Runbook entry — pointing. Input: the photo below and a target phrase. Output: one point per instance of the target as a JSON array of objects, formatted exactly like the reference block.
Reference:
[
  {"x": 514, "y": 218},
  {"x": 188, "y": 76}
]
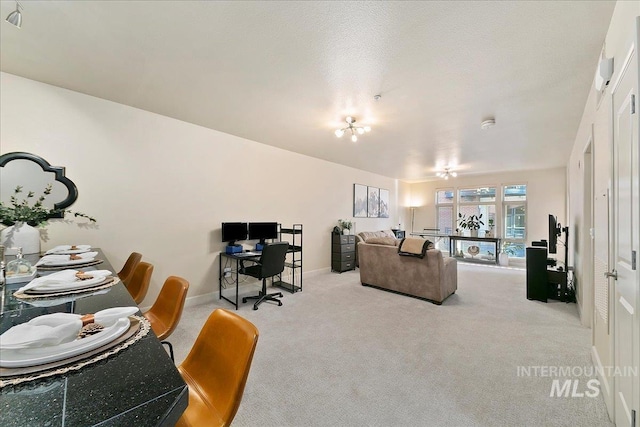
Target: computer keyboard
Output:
[{"x": 246, "y": 254}]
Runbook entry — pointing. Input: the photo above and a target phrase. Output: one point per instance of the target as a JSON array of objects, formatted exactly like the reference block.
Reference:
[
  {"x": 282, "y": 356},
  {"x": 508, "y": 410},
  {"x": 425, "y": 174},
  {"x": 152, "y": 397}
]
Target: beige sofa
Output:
[
  {"x": 363, "y": 236},
  {"x": 432, "y": 278}
]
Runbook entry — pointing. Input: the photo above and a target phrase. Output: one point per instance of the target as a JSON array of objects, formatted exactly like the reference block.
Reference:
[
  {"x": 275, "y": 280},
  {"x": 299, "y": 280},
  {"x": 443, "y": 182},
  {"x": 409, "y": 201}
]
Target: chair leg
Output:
[
  {"x": 264, "y": 296},
  {"x": 168, "y": 344}
]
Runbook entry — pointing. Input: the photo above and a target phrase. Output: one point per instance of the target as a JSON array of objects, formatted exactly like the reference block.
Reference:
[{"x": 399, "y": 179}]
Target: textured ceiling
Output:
[{"x": 287, "y": 73}]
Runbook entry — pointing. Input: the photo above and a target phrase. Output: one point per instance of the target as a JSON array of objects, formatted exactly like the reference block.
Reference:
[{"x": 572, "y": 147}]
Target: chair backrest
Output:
[
  {"x": 218, "y": 365},
  {"x": 166, "y": 311},
  {"x": 129, "y": 267},
  {"x": 272, "y": 258},
  {"x": 139, "y": 283}
]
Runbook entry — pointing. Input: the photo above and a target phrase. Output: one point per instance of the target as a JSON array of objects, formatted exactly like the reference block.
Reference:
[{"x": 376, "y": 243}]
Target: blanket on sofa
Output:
[{"x": 414, "y": 246}]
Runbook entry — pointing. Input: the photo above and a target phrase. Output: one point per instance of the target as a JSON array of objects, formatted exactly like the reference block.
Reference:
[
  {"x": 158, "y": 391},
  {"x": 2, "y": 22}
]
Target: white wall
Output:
[
  {"x": 546, "y": 192},
  {"x": 161, "y": 187}
]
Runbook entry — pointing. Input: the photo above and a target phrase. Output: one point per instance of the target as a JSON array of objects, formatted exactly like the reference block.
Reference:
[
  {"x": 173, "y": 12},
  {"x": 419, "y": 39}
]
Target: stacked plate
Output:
[
  {"x": 64, "y": 260},
  {"x": 67, "y": 281}
]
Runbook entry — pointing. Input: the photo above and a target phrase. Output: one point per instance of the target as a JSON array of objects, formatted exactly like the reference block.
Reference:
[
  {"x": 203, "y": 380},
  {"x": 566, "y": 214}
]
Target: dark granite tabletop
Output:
[{"x": 138, "y": 386}]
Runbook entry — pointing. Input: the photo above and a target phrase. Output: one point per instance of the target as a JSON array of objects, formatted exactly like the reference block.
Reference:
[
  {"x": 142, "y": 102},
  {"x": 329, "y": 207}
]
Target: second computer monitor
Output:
[{"x": 263, "y": 230}]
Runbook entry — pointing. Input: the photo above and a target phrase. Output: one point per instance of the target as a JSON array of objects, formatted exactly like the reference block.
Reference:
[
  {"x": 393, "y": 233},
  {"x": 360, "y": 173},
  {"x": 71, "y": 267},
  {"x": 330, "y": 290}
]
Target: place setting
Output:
[
  {"x": 66, "y": 282},
  {"x": 56, "y": 343},
  {"x": 65, "y": 256}
]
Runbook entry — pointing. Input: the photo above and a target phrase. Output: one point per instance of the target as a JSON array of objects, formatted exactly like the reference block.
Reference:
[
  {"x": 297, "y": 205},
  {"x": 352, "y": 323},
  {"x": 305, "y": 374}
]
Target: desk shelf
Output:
[{"x": 294, "y": 258}]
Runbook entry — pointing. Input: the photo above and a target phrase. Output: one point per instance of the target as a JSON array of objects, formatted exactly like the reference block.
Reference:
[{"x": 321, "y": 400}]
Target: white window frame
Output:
[{"x": 505, "y": 203}]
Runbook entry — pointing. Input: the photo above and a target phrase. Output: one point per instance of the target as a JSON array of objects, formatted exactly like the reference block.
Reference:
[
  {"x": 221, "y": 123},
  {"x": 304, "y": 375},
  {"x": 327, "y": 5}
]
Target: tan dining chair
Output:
[
  {"x": 129, "y": 267},
  {"x": 166, "y": 311},
  {"x": 217, "y": 368},
  {"x": 139, "y": 283}
]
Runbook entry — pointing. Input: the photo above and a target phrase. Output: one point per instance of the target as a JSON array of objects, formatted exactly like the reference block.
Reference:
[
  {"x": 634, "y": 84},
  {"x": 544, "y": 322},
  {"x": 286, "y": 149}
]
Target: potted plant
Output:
[
  {"x": 471, "y": 223},
  {"x": 21, "y": 216},
  {"x": 345, "y": 225},
  {"x": 489, "y": 232}
]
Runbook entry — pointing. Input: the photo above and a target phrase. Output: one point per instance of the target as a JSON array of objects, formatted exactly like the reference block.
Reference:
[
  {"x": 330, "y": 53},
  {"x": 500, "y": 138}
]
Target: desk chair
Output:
[
  {"x": 166, "y": 311},
  {"x": 129, "y": 267},
  {"x": 217, "y": 368},
  {"x": 271, "y": 263},
  {"x": 139, "y": 283}
]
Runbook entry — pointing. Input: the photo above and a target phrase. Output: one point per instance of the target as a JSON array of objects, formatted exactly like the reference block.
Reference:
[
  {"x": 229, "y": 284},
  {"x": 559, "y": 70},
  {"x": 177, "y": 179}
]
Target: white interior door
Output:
[{"x": 625, "y": 248}]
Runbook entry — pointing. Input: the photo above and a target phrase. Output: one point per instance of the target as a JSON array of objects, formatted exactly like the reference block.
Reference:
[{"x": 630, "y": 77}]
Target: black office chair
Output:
[{"x": 270, "y": 264}]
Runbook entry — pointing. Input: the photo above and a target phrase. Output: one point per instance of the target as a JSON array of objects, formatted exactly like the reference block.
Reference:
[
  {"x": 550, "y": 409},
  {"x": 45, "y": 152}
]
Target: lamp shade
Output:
[{"x": 15, "y": 18}]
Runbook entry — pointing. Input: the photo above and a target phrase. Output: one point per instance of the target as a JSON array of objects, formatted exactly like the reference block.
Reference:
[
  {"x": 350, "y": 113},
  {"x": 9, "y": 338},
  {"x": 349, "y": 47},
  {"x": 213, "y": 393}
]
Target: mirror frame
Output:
[{"x": 59, "y": 172}]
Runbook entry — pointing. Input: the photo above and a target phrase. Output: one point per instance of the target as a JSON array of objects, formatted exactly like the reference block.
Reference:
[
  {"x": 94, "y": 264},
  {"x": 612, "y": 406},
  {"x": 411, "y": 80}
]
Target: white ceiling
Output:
[{"x": 286, "y": 73}]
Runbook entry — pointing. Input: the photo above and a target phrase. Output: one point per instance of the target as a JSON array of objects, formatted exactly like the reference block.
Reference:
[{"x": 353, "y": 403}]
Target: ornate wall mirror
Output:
[{"x": 34, "y": 173}]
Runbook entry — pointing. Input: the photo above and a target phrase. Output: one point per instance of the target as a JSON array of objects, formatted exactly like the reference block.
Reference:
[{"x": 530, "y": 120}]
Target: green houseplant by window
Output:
[{"x": 471, "y": 223}]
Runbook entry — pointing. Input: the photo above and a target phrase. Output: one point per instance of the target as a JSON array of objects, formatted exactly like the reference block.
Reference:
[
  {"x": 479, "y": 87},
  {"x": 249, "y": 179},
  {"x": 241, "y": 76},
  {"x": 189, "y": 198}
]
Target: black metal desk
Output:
[
  {"x": 495, "y": 240},
  {"x": 138, "y": 386},
  {"x": 232, "y": 272}
]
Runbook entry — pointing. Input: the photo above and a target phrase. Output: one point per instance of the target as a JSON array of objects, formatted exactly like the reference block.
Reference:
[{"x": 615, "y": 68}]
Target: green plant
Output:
[
  {"x": 33, "y": 214},
  {"x": 345, "y": 224},
  {"x": 472, "y": 222},
  {"x": 509, "y": 248}
]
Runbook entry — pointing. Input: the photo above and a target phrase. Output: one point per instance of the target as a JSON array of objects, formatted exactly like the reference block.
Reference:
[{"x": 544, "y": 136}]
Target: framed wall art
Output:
[
  {"x": 359, "y": 201},
  {"x": 383, "y": 209},
  {"x": 373, "y": 204}
]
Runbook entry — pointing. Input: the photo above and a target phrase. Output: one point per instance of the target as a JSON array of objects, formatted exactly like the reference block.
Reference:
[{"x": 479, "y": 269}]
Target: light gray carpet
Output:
[{"x": 340, "y": 354}]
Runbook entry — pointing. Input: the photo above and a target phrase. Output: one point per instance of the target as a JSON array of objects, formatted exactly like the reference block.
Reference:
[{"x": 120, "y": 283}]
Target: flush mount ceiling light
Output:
[
  {"x": 15, "y": 17},
  {"x": 488, "y": 123},
  {"x": 447, "y": 173},
  {"x": 355, "y": 130}
]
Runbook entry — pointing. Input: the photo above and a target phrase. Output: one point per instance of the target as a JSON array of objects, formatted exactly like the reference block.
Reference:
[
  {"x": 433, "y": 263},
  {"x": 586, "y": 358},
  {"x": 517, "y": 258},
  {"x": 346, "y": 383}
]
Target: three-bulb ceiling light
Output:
[
  {"x": 15, "y": 17},
  {"x": 355, "y": 130},
  {"x": 447, "y": 173}
]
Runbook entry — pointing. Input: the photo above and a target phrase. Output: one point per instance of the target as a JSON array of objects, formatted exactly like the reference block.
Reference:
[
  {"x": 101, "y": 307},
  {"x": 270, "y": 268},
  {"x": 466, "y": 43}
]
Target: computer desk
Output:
[{"x": 237, "y": 259}]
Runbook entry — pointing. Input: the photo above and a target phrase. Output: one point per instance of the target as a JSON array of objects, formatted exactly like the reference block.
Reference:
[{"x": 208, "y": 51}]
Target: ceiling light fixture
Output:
[
  {"x": 15, "y": 17},
  {"x": 447, "y": 173},
  {"x": 354, "y": 129},
  {"x": 488, "y": 123}
]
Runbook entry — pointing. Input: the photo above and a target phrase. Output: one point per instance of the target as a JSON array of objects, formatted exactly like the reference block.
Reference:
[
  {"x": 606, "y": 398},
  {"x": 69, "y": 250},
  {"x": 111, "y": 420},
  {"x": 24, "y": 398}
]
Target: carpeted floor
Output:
[{"x": 340, "y": 354}]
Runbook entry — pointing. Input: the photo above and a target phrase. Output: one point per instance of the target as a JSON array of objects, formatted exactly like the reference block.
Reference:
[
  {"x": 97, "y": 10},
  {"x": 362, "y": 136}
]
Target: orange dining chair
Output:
[
  {"x": 129, "y": 267},
  {"x": 139, "y": 283},
  {"x": 166, "y": 311},
  {"x": 217, "y": 368}
]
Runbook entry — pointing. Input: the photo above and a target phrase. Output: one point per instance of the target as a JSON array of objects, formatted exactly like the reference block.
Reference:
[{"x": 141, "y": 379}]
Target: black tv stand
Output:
[{"x": 544, "y": 282}]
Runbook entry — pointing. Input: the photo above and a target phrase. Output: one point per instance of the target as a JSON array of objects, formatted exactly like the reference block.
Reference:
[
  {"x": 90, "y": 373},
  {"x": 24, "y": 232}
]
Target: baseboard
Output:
[{"x": 605, "y": 387}]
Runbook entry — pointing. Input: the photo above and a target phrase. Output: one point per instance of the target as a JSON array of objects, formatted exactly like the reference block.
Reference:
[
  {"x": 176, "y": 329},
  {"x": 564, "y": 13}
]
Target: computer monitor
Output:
[
  {"x": 262, "y": 231},
  {"x": 232, "y": 231}
]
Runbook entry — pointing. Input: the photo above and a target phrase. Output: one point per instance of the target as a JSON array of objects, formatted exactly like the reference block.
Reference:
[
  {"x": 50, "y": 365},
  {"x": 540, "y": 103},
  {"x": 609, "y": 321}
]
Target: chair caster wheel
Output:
[
  {"x": 255, "y": 308},
  {"x": 244, "y": 300},
  {"x": 279, "y": 304}
]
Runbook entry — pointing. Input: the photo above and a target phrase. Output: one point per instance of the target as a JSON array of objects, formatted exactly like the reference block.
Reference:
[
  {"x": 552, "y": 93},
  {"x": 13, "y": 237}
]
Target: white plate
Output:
[
  {"x": 71, "y": 286},
  {"x": 60, "y": 263},
  {"x": 24, "y": 357},
  {"x": 69, "y": 252}
]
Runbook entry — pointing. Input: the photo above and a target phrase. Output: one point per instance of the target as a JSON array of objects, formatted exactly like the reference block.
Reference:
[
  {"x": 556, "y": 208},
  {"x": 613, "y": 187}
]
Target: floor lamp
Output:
[{"x": 413, "y": 216}]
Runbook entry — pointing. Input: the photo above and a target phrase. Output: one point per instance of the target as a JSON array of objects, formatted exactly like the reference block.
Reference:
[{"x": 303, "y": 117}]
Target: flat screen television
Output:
[
  {"x": 263, "y": 230},
  {"x": 232, "y": 231},
  {"x": 554, "y": 230}
]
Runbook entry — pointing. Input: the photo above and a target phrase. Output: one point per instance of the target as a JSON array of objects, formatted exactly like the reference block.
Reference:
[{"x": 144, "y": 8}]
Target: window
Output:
[
  {"x": 478, "y": 201},
  {"x": 514, "y": 200},
  {"x": 445, "y": 216}
]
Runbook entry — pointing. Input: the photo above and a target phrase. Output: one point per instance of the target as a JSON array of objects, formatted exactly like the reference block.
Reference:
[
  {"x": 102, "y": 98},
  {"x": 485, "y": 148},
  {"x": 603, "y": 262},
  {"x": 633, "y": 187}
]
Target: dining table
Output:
[{"x": 138, "y": 385}]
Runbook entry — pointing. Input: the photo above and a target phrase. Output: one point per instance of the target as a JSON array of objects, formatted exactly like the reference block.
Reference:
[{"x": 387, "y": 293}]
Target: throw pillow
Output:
[{"x": 389, "y": 241}]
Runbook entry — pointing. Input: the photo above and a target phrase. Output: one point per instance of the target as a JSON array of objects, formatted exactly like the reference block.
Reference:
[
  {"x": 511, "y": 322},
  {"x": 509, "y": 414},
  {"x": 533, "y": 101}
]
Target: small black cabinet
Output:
[
  {"x": 400, "y": 234},
  {"x": 343, "y": 252}
]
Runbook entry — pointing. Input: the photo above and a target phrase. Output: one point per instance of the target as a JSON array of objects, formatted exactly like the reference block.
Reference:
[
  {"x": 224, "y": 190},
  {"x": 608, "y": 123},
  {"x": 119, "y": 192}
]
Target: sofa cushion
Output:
[
  {"x": 366, "y": 235},
  {"x": 389, "y": 241}
]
